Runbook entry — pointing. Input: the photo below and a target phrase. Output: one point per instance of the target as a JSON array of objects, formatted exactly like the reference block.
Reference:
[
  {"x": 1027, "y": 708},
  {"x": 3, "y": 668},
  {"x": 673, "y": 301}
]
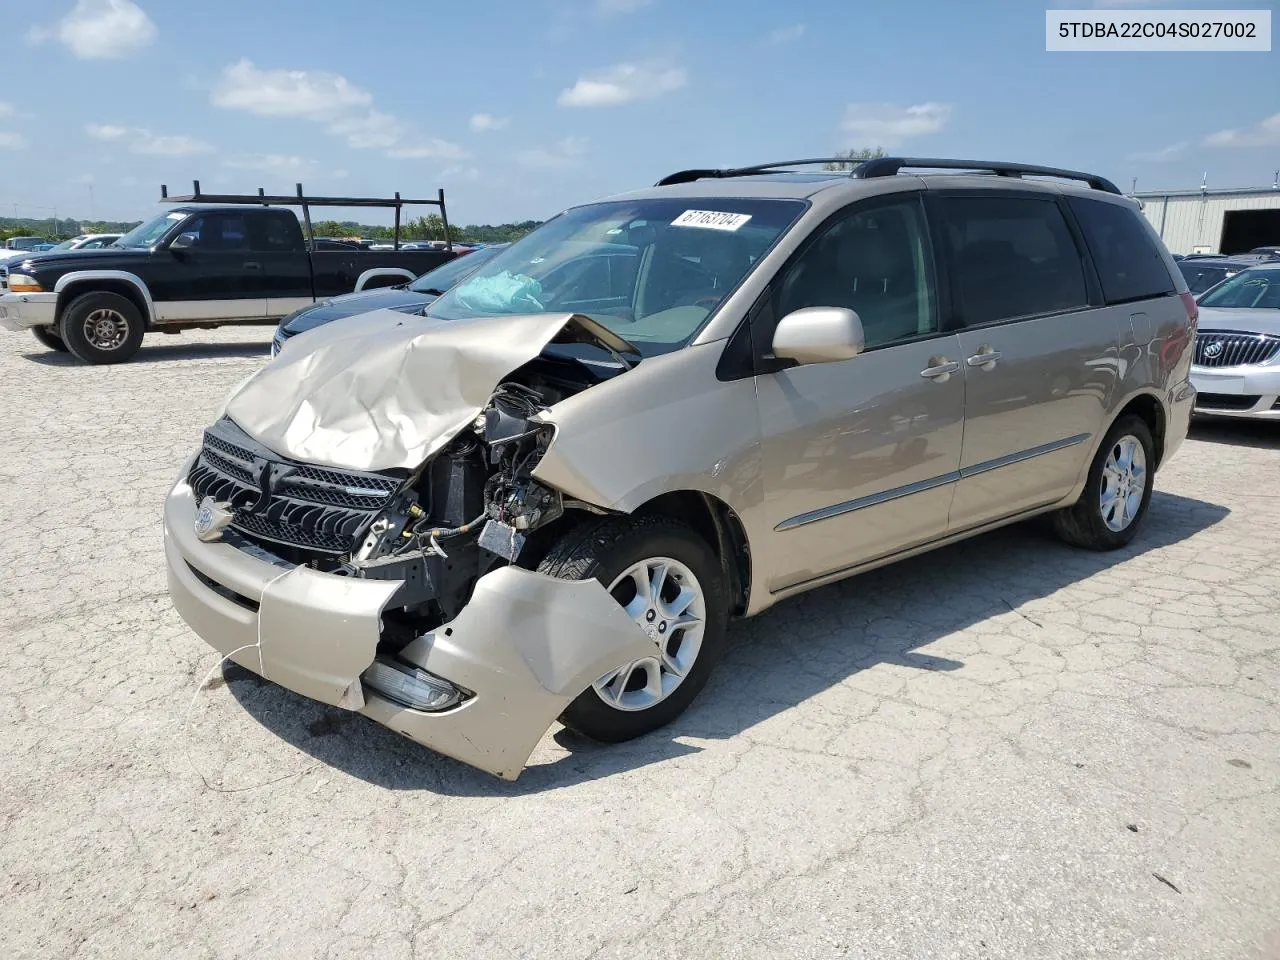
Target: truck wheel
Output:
[
  {"x": 668, "y": 580},
  {"x": 101, "y": 328},
  {"x": 50, "y": 339},
  {"x": 1117, "y": 492}
]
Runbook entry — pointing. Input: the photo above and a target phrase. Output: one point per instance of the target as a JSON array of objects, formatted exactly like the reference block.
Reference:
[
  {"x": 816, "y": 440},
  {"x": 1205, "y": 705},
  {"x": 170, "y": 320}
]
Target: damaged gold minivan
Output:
[{"x": 547, "y": 497}]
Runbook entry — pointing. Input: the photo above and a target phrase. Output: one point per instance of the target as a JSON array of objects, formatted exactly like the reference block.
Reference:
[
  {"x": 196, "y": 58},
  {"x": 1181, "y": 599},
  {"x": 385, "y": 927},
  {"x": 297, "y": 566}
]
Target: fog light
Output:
[{"x": 411, "y": 686}]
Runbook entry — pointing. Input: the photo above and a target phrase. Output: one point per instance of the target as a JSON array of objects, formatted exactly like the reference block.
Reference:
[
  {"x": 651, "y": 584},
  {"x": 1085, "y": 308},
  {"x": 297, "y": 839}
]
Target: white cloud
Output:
[
  {"x": 346, "y": 110},
  {"x": 84, "y": 178},
  {"x": 12, "y": 141},
  {"x": 274, "y": 163},
  {"x": 372, "y": 130},
  {"x": 1264, "y": 133},
  {"x": 484, "y": 122},
  {"x": 559, "y": 156},
  {"x": 785, "y": 34},
  {"x": 6, "y": 109},
  {"x": 1163, "y": 155},
  {"x": 144, "y": 141},
  {"x": 100, "y": 30},
  {"x": 460, "y": 173},
  {"x": 623, "y": 83},
  {"x": 310, "y": 94},
  {"x": 105, "y": 131},
  {"x": 431, "y": 149},
  {"x": 620, "y": 8},
  {"x": 887, "y": 125}
]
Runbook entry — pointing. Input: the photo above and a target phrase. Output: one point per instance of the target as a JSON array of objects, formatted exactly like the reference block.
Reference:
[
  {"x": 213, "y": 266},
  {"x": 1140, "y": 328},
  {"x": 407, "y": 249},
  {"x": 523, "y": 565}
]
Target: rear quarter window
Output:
[{"x": 1130, "y": 265}]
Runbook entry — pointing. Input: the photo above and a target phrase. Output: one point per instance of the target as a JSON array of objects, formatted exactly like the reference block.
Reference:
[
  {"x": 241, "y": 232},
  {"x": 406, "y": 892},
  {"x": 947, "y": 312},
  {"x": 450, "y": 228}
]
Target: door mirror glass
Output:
[
  {"x": 818, "y": 335},
  {"x": 184, "y": 241}
]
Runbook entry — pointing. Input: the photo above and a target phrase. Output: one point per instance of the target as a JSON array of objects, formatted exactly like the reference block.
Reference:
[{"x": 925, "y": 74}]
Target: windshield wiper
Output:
[{"x": 431, "y": 290}]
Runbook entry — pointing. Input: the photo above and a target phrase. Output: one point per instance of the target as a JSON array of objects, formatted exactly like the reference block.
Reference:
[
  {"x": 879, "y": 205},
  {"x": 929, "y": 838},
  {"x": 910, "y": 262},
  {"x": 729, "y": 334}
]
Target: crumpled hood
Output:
[{"x": 392, "y": 390}]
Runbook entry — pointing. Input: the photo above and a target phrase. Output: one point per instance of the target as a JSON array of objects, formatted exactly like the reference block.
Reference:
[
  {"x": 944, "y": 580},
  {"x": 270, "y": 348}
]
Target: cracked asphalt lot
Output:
[{"x": 1008, "y": 748}]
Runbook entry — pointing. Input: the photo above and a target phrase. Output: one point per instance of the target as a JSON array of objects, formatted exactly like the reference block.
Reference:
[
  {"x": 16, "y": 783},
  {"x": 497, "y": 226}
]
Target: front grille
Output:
[
  {"x": 1214, "y": 349},
  {"x": 313, "y": 508},
  {"x": 1226, "y": 401}
]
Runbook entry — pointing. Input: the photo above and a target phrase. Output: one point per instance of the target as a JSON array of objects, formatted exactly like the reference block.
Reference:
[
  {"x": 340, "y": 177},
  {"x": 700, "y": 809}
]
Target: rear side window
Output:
[
  {"x": 274, "y": 232},
  {"x": 1011, "y": 257},
  {"x": 1129, "y": 262}
]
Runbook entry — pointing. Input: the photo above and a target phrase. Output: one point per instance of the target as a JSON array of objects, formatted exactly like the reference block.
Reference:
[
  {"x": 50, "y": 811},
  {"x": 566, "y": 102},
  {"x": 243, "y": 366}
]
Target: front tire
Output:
[
  {"x": 1117, "y": 492},
  {"x": 669, "y": 581},
  {"x": 50, "y": 339},
  {"x": 102, "y": 328}
]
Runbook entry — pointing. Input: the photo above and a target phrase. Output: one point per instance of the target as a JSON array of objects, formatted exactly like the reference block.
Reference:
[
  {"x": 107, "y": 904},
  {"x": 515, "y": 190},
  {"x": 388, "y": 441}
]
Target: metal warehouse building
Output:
[{"x": 1214, "y": 221}]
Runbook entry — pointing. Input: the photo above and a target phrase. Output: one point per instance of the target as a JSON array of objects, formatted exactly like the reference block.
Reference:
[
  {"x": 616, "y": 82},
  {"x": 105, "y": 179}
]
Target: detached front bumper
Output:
[
  {"x": 21, "y": 311},
  {"x": 1248, "y": 392},
  {"x": 525, "y": 646}
]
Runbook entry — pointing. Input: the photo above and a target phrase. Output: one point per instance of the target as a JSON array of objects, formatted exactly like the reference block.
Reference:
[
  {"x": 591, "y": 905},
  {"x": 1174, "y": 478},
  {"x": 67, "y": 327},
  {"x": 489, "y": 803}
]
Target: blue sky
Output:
[{"x": 519, "y": 109}]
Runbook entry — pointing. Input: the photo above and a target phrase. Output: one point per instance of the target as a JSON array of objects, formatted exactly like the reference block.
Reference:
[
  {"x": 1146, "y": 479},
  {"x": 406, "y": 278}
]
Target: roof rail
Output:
[
  {"x": 889, "y": 166},
  {"x": 688, "y": 176},
  {"x": 300, "y": 199}
]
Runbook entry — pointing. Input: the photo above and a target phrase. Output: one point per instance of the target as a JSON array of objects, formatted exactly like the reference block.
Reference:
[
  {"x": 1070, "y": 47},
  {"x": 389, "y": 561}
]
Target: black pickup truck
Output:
[{"x": 197, "y": 265}]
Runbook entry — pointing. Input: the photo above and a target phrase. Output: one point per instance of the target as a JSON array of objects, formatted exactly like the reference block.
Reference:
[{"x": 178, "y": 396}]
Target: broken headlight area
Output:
[{"x": 436, "y": 529}]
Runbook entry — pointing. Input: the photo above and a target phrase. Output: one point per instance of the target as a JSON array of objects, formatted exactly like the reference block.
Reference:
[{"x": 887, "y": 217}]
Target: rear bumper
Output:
[
  {"x": 21, "y": 311},
  {"x": 1247, "y": 393},
  {"x": 526, "y": 645}
]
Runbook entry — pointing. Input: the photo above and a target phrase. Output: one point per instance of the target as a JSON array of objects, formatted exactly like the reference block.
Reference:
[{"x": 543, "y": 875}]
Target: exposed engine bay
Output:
[{"x": 468, "y": 509}]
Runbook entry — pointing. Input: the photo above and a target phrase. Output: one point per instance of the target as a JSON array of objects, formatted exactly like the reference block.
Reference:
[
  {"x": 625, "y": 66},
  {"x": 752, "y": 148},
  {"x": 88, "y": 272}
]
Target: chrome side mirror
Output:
[{"x": 818, "y": 335}]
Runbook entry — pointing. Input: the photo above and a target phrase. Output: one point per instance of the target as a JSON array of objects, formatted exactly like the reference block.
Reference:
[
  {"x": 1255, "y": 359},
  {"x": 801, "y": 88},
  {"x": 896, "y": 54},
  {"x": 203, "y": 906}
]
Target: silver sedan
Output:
[{"x": 1236, "y": 371}]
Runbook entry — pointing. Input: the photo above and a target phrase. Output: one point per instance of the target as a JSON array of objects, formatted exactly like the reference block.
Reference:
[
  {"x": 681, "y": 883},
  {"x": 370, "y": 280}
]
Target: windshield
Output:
[
  {"x": 459, "y": 268},
  {"x": 1252, "y": 288},
  {"x": 146, "y": 234},
  {"x": 66, "y": 244},
  {"x": 651, "y": 271}
]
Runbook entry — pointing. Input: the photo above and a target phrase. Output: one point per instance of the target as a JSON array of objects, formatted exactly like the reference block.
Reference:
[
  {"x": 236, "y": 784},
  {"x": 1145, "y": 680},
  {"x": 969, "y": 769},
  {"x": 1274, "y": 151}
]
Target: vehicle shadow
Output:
[
  {"x": 166, "y": 353},
  {"x": 775, "y": 661},
  {"x": 1263, "y": 434}
]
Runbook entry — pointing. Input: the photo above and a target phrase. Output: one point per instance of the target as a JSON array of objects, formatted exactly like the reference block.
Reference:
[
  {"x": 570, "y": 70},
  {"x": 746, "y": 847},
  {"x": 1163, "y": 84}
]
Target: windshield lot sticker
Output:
[{"x": 711, "y": 220}]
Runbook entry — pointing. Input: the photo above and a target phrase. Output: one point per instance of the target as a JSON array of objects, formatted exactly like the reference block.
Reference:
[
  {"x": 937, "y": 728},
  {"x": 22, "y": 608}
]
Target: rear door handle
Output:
[
  {"x": 940, "y": 369},
  {"x": 253, "y": 265},
  {"x": 985, "y": 358}
]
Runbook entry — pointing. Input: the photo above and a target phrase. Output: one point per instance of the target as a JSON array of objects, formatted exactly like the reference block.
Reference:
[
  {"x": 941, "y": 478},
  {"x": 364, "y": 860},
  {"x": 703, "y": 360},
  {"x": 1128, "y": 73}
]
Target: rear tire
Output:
[
  {"x": 1117, "y": 492},
  {"x": 50, "y": 339},
  {"x": 101, "y": 328},
  {"x": 688, "y": 632}
]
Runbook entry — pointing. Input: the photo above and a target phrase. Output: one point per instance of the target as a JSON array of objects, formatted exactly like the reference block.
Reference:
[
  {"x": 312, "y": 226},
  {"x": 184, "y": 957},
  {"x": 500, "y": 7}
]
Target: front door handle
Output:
[
  {"x": 985, "y": 358},
  {"x": 939, "y": 369},
  {"x": 253, "y": 265}
]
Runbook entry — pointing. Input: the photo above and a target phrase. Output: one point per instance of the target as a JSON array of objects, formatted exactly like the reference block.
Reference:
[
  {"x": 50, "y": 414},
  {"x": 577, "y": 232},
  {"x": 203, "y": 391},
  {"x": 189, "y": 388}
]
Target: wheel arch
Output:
[
  {"x": 128, "y": 285},
  {"x": 1148, "y": 408},
  {"x": 717, "y": 523}
]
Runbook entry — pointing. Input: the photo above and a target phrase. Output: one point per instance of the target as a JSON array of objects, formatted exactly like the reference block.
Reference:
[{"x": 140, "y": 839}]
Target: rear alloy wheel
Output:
[
  {"x": 671, "y": 584},
  {"x": 1117, "y": 491},
  {"x": 50, "y": 339},
  {"x": 102, "y": 328}
]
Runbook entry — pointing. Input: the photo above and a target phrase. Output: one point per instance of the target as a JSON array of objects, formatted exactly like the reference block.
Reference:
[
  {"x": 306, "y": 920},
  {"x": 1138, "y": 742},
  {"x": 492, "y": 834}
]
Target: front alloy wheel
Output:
[
  {"x": 674, "y": 587},
  {"x": 666, "y": 601}
]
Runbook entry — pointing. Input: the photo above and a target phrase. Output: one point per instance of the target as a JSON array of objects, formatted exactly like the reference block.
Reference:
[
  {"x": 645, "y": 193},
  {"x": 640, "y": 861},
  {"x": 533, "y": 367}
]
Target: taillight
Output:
[{"x": 1193, "y": 308}]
